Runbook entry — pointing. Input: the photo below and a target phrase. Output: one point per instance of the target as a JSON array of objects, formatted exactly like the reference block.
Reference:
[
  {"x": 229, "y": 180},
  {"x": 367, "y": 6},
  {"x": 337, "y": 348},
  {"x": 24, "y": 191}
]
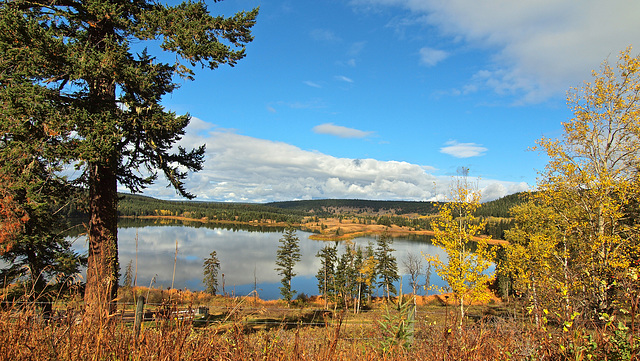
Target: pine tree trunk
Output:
[
  {"x": 326, "y": 306},
  {"x": 102, "y": 268}
]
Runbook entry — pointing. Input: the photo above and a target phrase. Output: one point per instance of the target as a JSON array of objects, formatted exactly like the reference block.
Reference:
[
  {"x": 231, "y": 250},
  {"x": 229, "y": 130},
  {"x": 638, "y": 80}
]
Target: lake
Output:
[{"x": 246, "y": 254}]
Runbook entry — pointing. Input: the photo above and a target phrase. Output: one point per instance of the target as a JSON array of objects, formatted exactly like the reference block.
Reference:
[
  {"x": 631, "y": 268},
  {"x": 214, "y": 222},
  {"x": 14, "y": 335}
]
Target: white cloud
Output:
[
  {"x": 199, "y": 126},
  {"x": 344, "y": 79},
  {"x": 431, "y": 57},
  {"x": 340, "y": 131},
  {"x": 240, "y": 168},
  {"x": 491, "y": 190},
  {"x": 463, "y": 150},
  {"x": 541, "y": 48},
  {"x": 312, "y": 84}
]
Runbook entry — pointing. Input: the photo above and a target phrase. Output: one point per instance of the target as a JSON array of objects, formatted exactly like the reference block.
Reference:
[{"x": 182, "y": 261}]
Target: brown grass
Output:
[
  {"x": 25, "y": 337},
  {"x": 250, "y": 329},
  {"x": 336, "y": 229}
]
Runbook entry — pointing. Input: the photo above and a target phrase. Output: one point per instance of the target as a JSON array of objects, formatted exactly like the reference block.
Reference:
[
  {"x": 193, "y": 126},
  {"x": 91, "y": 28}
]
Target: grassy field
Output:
[{"x": 251, "y": 329}]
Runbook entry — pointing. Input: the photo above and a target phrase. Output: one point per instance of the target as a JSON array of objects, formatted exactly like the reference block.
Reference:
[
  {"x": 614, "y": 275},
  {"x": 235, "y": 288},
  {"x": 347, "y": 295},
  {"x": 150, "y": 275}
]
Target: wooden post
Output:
[{"x": 138, "y": 317}]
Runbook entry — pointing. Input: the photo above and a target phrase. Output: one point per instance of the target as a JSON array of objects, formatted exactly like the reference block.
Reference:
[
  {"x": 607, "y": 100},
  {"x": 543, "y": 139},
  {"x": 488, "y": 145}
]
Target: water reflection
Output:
[{"x": 246, "y": 255}]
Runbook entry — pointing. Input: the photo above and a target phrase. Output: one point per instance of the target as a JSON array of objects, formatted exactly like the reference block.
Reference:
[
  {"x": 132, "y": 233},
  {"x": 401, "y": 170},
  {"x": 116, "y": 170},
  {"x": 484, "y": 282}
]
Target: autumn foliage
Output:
[
  {"x": 468, "y": 259},
  {"x": 574, "y": 251}
]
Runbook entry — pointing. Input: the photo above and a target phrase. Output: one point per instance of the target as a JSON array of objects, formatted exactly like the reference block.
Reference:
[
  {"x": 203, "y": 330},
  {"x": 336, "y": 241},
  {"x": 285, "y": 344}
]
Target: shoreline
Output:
[
  {"x": 188, "y": 295},
  {"x": 330, "y": 229}
]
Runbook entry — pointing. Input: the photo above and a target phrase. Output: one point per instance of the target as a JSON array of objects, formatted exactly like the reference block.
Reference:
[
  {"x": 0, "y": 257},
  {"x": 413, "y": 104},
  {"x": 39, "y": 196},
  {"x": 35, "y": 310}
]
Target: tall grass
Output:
[
  {"x": 24, "y": 338},
  {"x": 26, "y": 335}
]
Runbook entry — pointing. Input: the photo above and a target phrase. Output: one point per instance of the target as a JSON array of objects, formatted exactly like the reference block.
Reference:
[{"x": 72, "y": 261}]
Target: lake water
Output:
[{"x": 246, "y": 255}]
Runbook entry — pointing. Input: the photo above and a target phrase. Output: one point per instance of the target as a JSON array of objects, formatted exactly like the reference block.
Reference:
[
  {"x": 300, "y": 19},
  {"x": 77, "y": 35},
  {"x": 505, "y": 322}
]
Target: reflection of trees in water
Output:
[
  {"x": 77, "y": 225},
  {"x": 240, "y": 249},
  {"x": 159, "y": 222}
]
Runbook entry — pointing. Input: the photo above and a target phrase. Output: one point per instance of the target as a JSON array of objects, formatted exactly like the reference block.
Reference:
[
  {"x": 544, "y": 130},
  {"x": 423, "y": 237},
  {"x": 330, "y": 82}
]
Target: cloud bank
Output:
[
  {"x": 540, "y": 47},
  {"x": 240, "y": 168}
]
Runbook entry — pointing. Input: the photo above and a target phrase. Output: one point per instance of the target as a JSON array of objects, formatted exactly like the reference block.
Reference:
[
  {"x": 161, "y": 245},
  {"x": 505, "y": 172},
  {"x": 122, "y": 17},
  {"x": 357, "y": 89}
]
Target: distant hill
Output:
[
  {"x": 500, "y": 207},
  {"x": 327, "y": 207},
  {"x": 139, "y": 205}
]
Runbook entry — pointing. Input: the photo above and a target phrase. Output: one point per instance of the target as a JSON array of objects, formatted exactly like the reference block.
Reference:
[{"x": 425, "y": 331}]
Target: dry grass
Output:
[
  {"x": 23, "y": 337},
  {"x": 336, "y": 229},
  {"x": 250, "y": 329}
]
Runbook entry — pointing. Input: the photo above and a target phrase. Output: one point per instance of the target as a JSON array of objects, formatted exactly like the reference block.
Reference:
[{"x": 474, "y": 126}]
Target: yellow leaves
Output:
[
  {"x": 582, "y": 228},
  {"x": 598, "y": 159},
  {"x": 367, "y": 271},
  {"x": 455, "y": 230},
  {"x": 163, "y": 212}
]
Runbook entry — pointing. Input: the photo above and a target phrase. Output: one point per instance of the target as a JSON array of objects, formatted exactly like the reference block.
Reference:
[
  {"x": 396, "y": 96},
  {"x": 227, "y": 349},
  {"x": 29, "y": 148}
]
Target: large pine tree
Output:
[{"x": 67, "y": 70}]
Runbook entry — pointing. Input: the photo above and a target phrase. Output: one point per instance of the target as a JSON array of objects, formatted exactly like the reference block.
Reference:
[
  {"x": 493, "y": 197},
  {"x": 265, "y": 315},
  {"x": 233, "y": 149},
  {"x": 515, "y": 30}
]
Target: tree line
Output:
[
  {"x": 135, "y": 205},
  {"x": 331, "y": 207}
]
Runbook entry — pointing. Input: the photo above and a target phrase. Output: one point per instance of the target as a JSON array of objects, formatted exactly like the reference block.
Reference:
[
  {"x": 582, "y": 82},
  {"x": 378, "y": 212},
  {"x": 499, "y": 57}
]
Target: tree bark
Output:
[
  {"x": 102, "y": 268},
  {"x": 102, "y": 263}
]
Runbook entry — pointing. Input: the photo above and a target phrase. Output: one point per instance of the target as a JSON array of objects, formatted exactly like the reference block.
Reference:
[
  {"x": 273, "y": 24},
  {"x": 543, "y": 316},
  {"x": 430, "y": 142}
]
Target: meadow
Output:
[{"x": 248, "y": 328}]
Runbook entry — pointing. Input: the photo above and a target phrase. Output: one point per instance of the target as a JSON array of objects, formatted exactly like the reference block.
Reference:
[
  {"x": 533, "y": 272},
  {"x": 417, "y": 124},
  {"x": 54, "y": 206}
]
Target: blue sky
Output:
[{"x": 386, "y": 99}]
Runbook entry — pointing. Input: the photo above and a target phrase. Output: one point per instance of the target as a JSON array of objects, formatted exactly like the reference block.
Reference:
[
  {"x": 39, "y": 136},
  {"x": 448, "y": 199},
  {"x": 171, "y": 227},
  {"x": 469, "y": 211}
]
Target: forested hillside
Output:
[
  {"x": 500, "y": 207},
  {"x": 137, "y": 205},
  {"x": 417, "y": 215},
  {"x": 328, "y": 207}
]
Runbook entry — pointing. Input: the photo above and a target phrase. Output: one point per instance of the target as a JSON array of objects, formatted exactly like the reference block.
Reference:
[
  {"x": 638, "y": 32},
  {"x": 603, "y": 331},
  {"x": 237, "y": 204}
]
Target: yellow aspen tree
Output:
[
  {"x": 592, "y": 180},
  {"x": 366, "y": 275},
  {"x": 468, "y": 257},
  {"x": 537, "y": 259}
]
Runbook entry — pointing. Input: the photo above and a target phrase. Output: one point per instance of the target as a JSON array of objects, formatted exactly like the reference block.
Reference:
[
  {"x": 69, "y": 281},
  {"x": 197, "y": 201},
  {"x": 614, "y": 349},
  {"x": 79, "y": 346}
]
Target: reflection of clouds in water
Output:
[{"x": 239, "y": 252}]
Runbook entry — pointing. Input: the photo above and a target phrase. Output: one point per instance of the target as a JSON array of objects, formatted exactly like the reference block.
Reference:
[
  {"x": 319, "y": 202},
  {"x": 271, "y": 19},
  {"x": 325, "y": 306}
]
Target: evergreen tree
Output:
[
  {"x": 387, "y": 266},
  {"x": 346, "y": 275},
  {"x": 326, "y": 275},
  {"x": 70, "y": 74},
  {"x": 211, "y": 269},
  {"x": 33, "y": 246},
  {"x": 287, "y": 256}
]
